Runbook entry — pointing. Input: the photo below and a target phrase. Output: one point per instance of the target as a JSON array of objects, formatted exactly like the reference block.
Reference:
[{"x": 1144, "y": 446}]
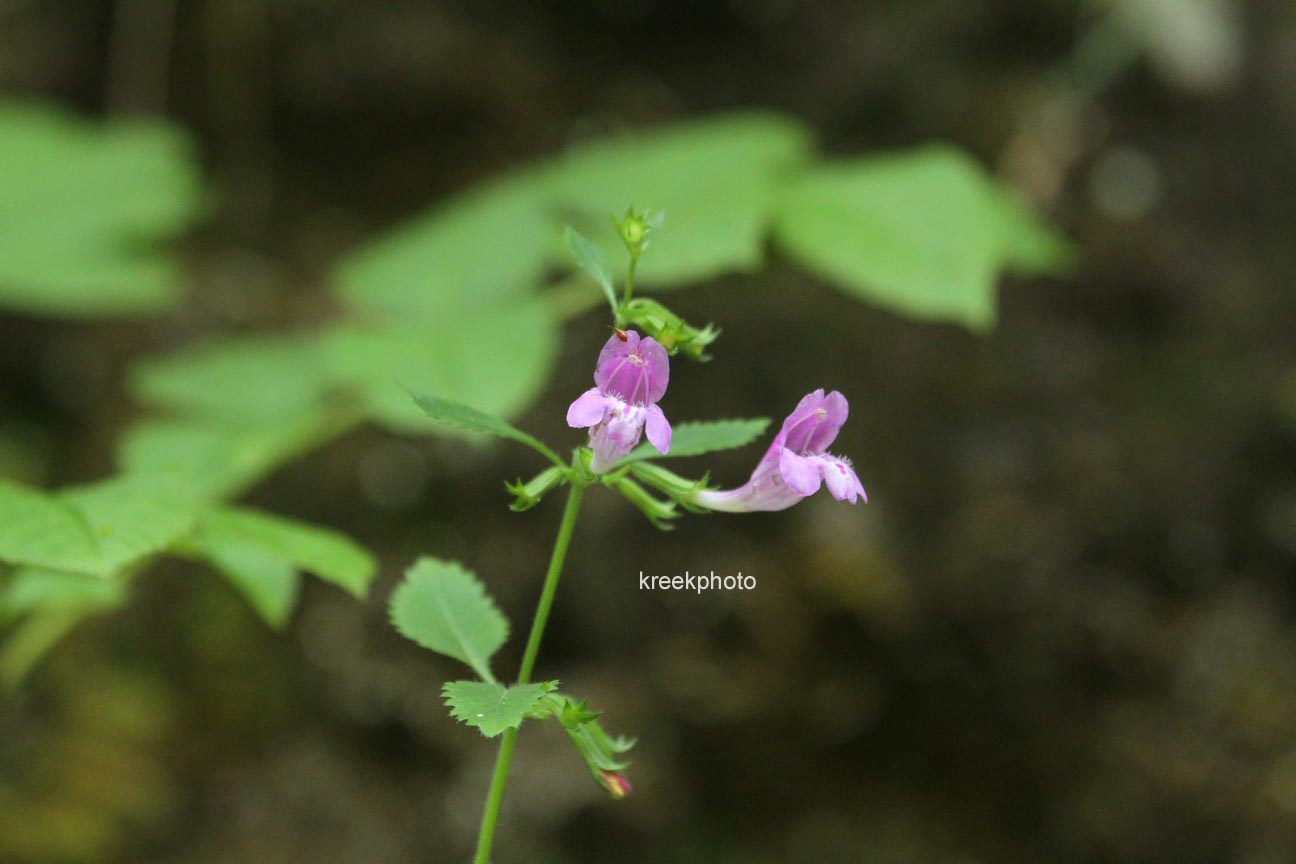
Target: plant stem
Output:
[
  {"x": 630, "y": 274},
  {"x": 495, "y": 797}
]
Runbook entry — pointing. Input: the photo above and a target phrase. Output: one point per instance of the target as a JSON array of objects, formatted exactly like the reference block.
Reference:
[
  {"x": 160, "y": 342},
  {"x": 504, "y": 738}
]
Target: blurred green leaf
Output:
[
  {"x": 443, "y": 607},
  {"x": 491, "y": 708},
  {"x": 269, "y": 582},
  {"x": 39, "y": 530},
  {"x": 328, "y": 555},
  {"x": 707, "y": 436},
  {"x": 98, "y": 529},
  {"x": 715, "y": 179},
  {"x": 486, "y": 247},
  {"x": 220, "y": 458},
  {"x": 132, "y": 518},
  {"x": 245, "y": 378},
  {"x": 592, "y": 260},
  {"x": 84, "y": 209},
  {"x": 497, "y": 360},
  {"x": 30, "y": 588},
  {"x": 925, "y": 233}
]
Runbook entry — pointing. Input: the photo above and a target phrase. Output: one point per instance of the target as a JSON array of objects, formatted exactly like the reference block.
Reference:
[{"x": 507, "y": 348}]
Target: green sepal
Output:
[
  {"x": 659, "y": 512},
  {"x": 664, "y": 480},
  {"x": 527, "y": 495},
  {"x": 600, "y": 751},
  {"x": 670, "y": 330}
]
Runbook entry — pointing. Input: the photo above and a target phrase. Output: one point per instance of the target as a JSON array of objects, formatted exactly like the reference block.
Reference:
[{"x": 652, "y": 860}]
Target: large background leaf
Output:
[
  {"x": 85, "y": 208},
  {"x": 923, "y": 233},
  {"x": 715, "y": 179}
]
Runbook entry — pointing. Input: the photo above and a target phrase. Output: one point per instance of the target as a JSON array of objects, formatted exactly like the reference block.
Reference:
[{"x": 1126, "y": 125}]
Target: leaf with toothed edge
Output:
[
  {"x": 697, "y": 438},
  {"x": 491, "y": 708},
  {"x": 444, "y": 608}
]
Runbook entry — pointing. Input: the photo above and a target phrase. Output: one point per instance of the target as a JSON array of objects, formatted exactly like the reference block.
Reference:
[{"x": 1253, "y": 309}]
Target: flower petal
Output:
[
  {"x": 620, "y": 431},
  {"x": 800, "y": 473},
  {"x": 825, "y": 431},
  {"x": 841, "y": 480},
  {"x": 656, "y": 368},
  {"x": 815, "y": 419},
  {"x": 658, "y": 429},
  {"x": 588, "y": 409}
]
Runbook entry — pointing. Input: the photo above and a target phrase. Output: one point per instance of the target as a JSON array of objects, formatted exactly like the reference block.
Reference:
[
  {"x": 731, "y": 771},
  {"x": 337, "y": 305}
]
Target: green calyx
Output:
[
  {"x": 673, "y": 333},
  {"x": 527, "y": 495}
]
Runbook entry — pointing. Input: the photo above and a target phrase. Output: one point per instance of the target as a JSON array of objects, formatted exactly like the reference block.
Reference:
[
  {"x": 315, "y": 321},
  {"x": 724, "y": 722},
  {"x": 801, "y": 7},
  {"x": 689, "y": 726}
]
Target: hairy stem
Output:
[{"x": 495, "y": 797}]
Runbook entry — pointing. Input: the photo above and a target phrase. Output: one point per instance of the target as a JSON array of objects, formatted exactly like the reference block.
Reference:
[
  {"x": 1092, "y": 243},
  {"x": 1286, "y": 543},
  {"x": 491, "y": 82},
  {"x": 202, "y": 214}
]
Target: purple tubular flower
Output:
[
  {"x": 631, "y": 377},
  {"x": 796, "y": 464}
]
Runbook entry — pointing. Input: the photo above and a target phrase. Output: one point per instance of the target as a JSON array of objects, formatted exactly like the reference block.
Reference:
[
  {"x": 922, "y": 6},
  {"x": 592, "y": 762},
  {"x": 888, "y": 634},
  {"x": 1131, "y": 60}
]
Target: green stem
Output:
[
  {"x": 495, "y": 797},
  {"x": 630, "y": 274}
]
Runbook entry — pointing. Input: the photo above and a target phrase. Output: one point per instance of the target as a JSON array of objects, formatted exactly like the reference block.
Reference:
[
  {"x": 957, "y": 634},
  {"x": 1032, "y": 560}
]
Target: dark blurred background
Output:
[{"x": 1063, "y": 628}]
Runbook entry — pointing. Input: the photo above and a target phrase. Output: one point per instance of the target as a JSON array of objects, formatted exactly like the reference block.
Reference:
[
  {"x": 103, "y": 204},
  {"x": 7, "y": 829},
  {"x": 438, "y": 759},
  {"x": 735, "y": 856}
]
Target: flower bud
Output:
[
  {"x": 636, "y": 229},
  {"x": 616, "y": 784}
]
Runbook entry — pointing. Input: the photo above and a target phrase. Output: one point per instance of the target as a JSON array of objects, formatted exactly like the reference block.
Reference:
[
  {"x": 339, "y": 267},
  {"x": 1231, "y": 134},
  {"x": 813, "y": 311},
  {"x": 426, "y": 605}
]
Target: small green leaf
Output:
[
  {"x": 470, "y": 419},
  {"x": 926, "y": 233},
  {"x": 443, "y": 607},
  {"x": 492, "y": 708},
  {"x": 593, "y": 261},
  {"x": 707, "y": 436}
]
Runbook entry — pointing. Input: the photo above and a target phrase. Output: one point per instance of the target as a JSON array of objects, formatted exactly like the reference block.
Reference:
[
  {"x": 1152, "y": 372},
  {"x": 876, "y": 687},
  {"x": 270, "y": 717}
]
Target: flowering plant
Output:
[{"x": 443, "y": 606}]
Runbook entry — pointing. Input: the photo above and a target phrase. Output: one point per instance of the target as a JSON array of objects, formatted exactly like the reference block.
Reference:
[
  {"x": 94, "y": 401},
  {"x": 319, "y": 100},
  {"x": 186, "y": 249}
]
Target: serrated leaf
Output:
[
  {"x": 716, "y": 180},
  {"x": 468, "y": 419},
  {"x": 84, "y": 209},
  {"x": 926, "y": 233},
  {"x": 327, "y": 555},
  {"x": 491, "y": 708},
  {"x": 444, "y": 608},
  {"x": 707, "y": 436},
  {"x": 592, "y": 260}
]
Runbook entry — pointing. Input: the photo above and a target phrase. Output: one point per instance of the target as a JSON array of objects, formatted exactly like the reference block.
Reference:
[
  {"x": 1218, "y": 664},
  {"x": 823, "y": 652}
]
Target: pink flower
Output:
[
  {"x": 631, "y": 377},
  {"x": 796, "y": 464}
]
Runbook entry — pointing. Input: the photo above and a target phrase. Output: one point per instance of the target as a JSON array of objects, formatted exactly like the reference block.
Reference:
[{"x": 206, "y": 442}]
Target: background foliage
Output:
[{"x": 1060, "y": 632}]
